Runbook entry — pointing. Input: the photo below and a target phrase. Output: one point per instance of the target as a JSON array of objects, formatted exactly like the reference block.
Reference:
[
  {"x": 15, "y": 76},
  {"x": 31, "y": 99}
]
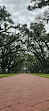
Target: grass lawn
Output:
[
  {"x": 36, "y": 74},
  {"x": 6, "y": 75},
  {"x": 41, "y": 75}
]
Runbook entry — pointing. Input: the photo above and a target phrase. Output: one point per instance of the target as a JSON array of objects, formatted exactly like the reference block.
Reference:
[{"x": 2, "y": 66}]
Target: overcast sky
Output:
[{"x": 18, "y": 10}]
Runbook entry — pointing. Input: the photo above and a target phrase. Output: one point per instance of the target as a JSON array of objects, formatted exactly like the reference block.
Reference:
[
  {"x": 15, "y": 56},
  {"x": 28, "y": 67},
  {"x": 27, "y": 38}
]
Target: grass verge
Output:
[
  {"x": 35, "y": 74},
  {"x": 41, "y": 75},
  {"x": 6, "y": 75}
]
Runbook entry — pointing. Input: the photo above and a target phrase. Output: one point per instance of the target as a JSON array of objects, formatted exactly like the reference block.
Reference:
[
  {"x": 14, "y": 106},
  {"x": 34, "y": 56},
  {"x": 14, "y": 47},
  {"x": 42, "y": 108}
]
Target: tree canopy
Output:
[
  {"x": 9, "y": 43},
  {"x": 25, "y": 47},
  {"x": 40, "y": 4},
  {"x": 37, "y": 44}
]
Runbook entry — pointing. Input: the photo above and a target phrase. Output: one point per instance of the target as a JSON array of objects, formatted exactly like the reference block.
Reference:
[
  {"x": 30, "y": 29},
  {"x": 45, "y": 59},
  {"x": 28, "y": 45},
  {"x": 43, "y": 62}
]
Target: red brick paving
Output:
[{"x": 24, "y": 93}]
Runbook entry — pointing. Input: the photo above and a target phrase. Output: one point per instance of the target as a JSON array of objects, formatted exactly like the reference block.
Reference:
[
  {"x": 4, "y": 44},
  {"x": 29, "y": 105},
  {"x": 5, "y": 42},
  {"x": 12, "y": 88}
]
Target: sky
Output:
[{"x": 19, "y": 12}]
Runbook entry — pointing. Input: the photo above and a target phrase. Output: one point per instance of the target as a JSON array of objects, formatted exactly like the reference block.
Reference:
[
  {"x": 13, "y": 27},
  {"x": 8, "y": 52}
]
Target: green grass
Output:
[
  {"x": 41, "y": 75},
  {"x": 6, "y": 75},
  {"x": 35, "y": 74}
]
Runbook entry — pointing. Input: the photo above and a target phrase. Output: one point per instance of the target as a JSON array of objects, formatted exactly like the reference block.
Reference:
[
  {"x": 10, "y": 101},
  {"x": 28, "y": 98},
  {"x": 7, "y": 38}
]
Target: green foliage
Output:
[
  {"x": 40, "y": 46},
  {"x": 39, "y": 4},
  {"x": 32, "y": 64},
  {"x": 28, "y": 47},
  {"x": 37, "y": 44},
  {"x": 9, "y": 43}
]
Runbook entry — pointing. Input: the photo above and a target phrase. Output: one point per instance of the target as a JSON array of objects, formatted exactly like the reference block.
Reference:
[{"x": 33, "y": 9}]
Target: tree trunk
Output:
[
  {"x": 3, "y": 70},
  {"x": 8, "y": 70}
]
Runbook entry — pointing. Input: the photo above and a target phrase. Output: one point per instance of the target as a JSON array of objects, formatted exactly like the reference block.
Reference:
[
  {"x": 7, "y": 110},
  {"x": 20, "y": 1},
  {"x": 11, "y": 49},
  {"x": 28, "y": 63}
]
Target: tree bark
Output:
[
  {"x": 8, "y": 70},
  {"x": 3, "y": 70}
]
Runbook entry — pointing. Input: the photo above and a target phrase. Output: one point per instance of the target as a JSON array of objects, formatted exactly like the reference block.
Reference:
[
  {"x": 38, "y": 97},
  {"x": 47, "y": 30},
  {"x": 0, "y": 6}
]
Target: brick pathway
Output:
[{"x": 24, "y": 93}]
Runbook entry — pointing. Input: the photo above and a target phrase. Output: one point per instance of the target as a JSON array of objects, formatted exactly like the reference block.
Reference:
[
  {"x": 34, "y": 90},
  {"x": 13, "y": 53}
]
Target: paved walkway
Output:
[{"x": 24, "y": 93}]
